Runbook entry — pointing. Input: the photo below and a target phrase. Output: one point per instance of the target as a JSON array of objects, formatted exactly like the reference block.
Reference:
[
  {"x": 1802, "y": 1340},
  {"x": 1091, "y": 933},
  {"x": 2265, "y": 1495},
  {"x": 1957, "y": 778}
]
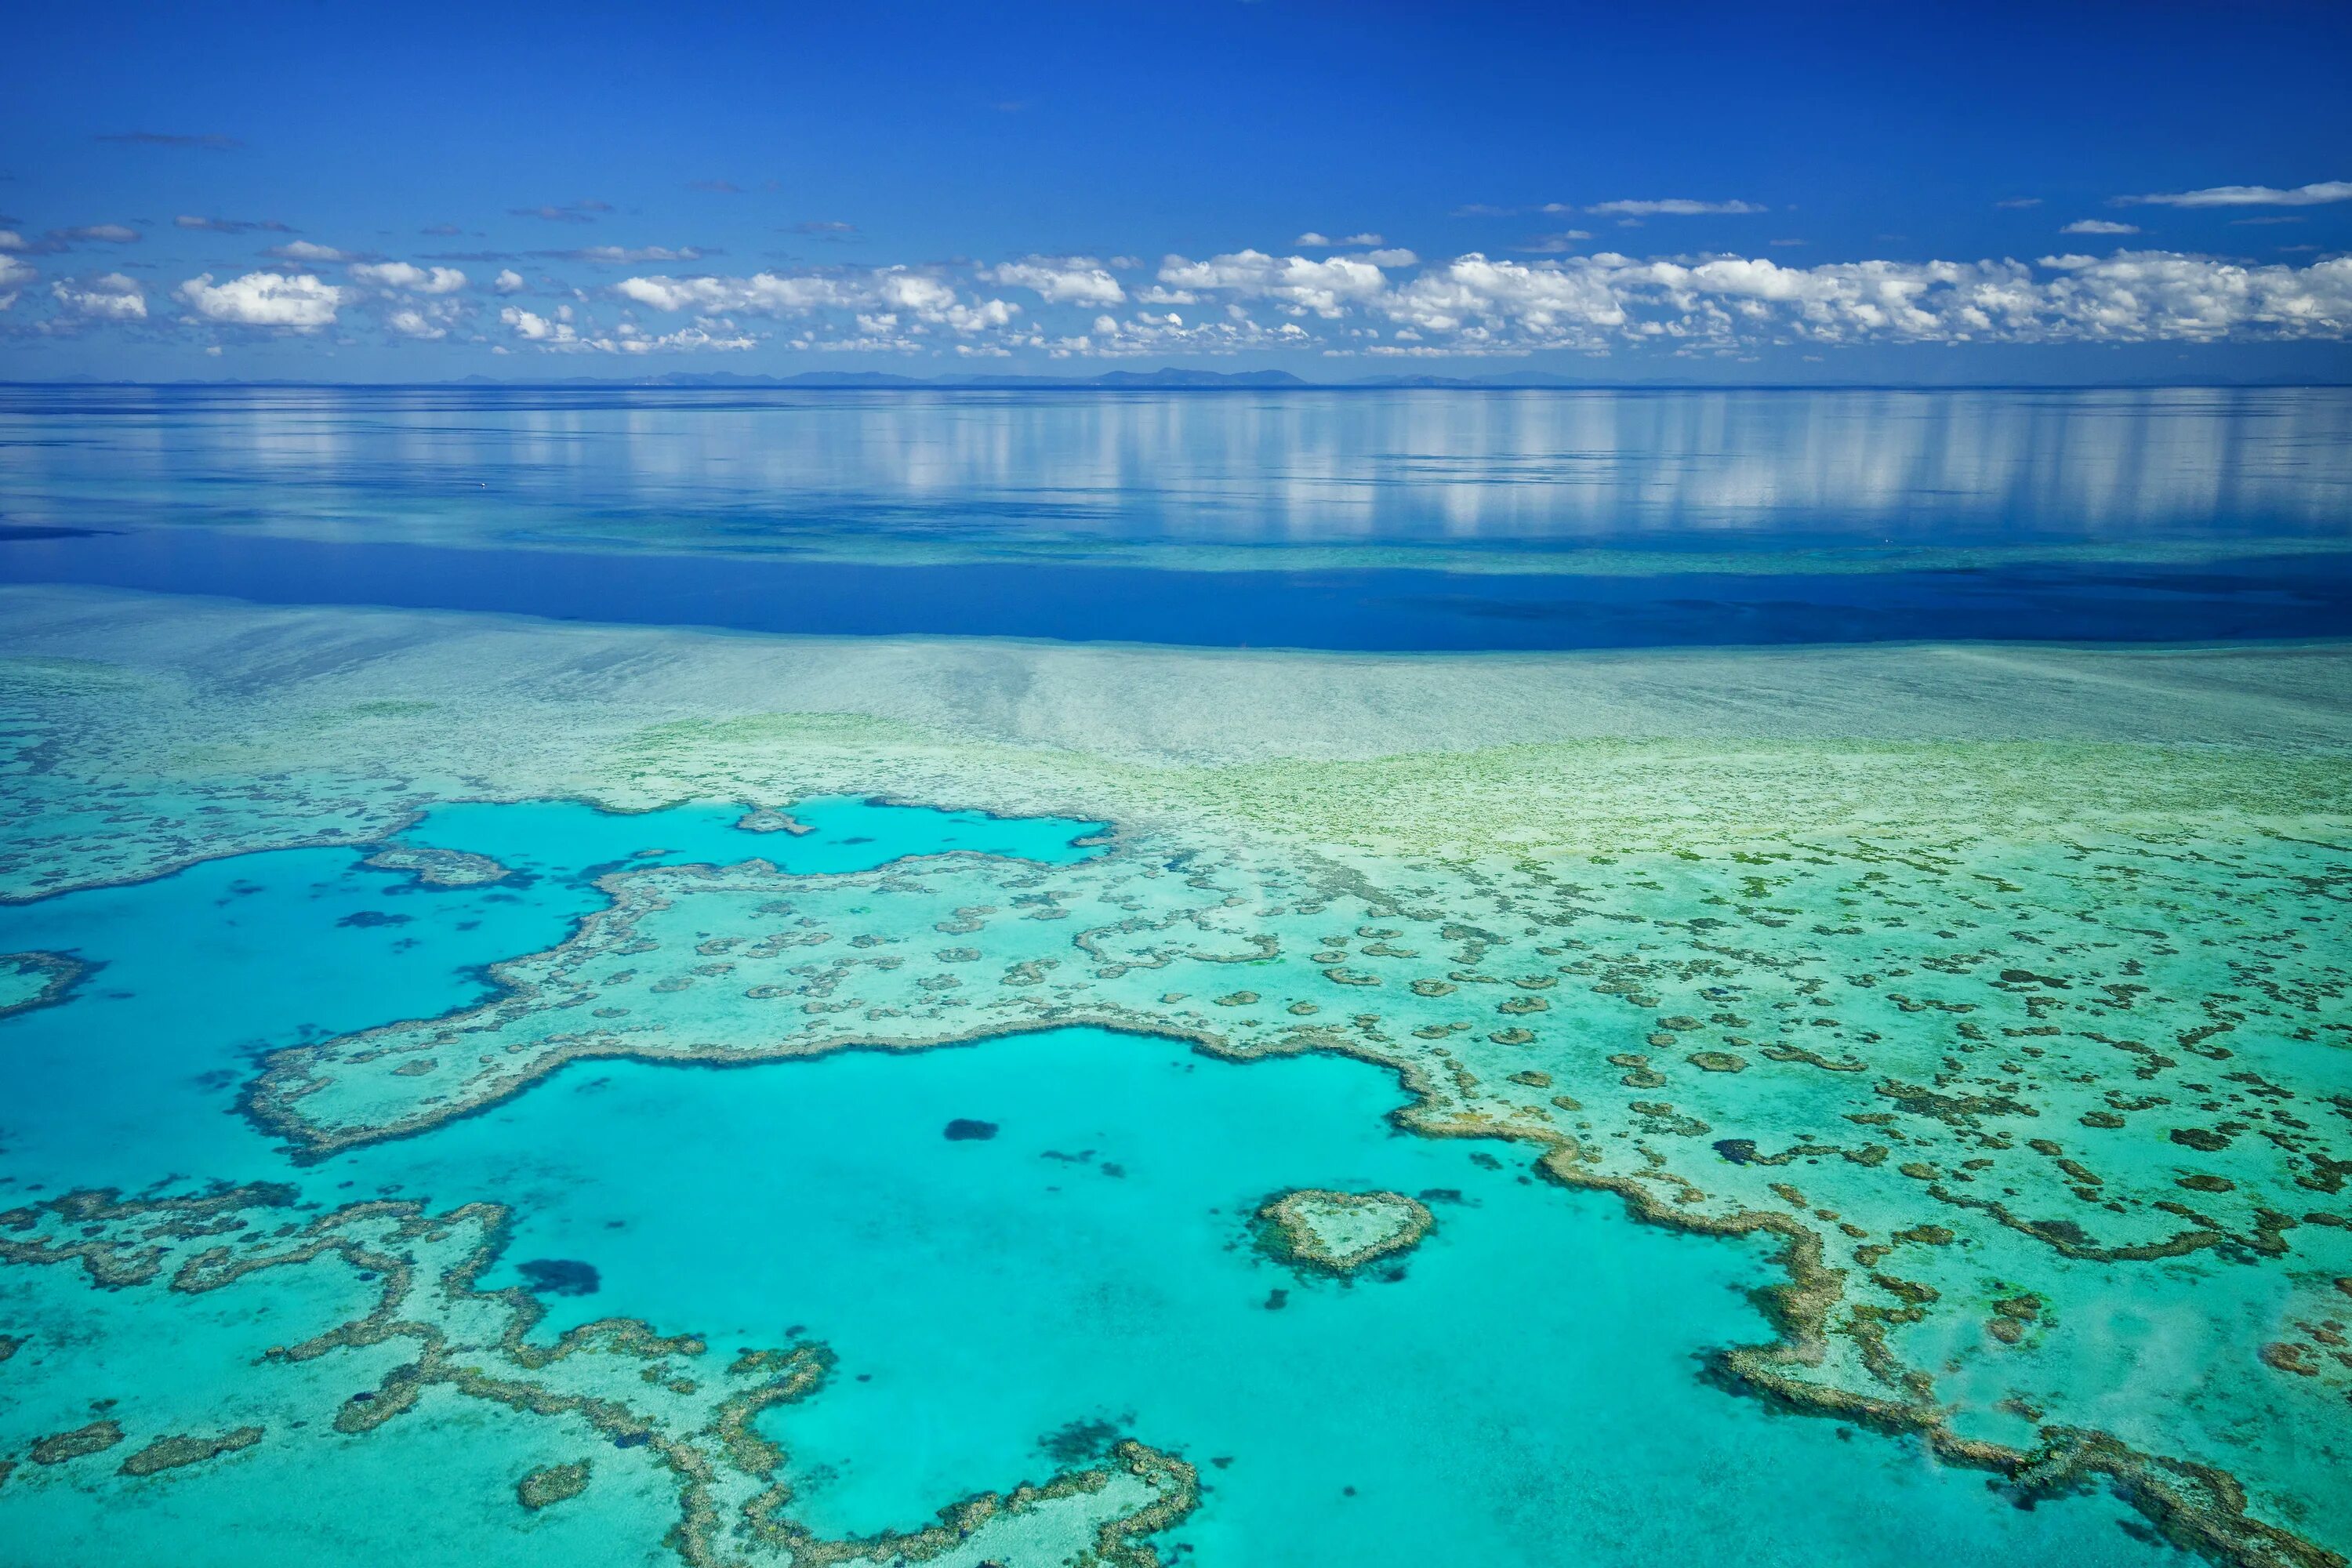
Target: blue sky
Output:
[{"x": 1619, "y": 192}]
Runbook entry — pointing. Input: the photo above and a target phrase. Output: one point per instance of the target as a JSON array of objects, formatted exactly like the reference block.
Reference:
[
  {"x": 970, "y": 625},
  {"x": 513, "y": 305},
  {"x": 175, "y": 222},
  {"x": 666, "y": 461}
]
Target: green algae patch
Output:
[{"x": 1336, "y": 1233}]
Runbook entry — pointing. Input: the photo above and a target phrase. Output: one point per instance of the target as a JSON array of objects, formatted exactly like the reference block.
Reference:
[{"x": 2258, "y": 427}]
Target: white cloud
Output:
[
  {"x": 1363, "y": 239},
  {"x": 1314, "y": 240},
  {"x": 558, "y": 333},
  {"x": 2161, "y": 294},
  {"x": 1475, "y": 304},
  {"x": 1396, "y": 257},
  {"x": 14, "y": 275},
  {"x": 1146, "y": 333},
  {"x": 1672, "y": 207},
  {"x": 632, "y": 340},
  {"x": 304, "y": 250},
  {"x": 532, "y": 327},
  {"x": 2018, "y": 201},
  {"x": 889, "y": 291},
  {"x": 1474, "y": 298},
  {"x": 1326, "y": 287},
  {"x": 1070, "y": 280},
  {"x": 2310, "y": 196},
  {"x": 110, "y": 233},
  {"x": 111, "y": 298},
  {"x": 11, "y": 240},
  {"x": 407, "y": 275},
  {"x": 508, "y": 281},
  {"x": 2098, "y": 226},
  {"x": 413, "y": 323},
  {"x": 295, "y": 303}
]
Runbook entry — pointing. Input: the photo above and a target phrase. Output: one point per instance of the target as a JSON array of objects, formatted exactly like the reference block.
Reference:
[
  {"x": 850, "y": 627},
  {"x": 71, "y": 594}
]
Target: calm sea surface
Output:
[{"x": 1338, "y": 520}]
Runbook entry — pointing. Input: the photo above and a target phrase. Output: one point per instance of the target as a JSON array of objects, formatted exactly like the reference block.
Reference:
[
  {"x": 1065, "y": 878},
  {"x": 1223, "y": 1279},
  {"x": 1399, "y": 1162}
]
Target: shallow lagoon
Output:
[{"x": 1524, "y": 1391}]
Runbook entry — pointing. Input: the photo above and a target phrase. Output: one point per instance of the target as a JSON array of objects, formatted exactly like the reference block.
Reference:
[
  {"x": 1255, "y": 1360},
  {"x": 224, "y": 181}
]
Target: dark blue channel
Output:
[{"x": 1395, "y": 609}]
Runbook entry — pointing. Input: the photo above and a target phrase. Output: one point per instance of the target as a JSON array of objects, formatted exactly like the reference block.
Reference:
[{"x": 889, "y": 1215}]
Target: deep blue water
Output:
[
  {"x": 1380, "y": 608},
  {"x": 1356, "y": 520}
]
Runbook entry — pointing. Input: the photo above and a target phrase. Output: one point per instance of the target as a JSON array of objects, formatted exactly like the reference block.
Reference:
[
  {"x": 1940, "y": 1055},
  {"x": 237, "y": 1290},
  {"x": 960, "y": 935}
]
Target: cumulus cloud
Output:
[
  {"x": 230, "y": 225},
  {"x": 1146, "y": 333},
  {"x": 1326, "y": 288},
  {"x": 295, "y": 303},
  {"x": 1476, "y": 304},
  {"x": 880, "y": 296},
  {"x": 409, "y": 278},
  {"x": 2311, "y": 195},
  {"x": 1672, "y": 207},
  {"x": 532, "y": 327},
  {"x": 110, "y": 298},
  {"x": 427, "y": 320},
  {"x": 560, "y": 333},
  {"x": 14, "y": 275},
  {"x": 508, "y": 281},
  {"x": 304, "y": 250},
  {"x": 11, "y": 241},
  {"x": 2099, "y": 226},
  {"x": 1068, "y": 279}
]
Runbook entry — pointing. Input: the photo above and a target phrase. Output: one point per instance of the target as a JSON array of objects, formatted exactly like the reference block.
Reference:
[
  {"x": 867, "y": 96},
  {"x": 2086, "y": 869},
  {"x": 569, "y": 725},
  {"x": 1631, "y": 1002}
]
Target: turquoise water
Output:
[
  {"x": 201, "y": 974},
  {"x": 1524, "y": 1391}
]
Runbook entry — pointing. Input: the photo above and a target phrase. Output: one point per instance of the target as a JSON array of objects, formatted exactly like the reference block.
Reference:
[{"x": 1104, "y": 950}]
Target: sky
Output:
[{"x": 1918, "y": 193}]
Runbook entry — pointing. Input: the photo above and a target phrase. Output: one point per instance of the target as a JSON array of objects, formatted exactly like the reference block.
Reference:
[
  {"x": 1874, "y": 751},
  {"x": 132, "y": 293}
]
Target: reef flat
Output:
[
  {"x": 419, "y": 1328},
  {"x": 2001, "y": 989},
  {"x": 30, "y": 980},
  {"x": 1339, "y": 1233}
]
